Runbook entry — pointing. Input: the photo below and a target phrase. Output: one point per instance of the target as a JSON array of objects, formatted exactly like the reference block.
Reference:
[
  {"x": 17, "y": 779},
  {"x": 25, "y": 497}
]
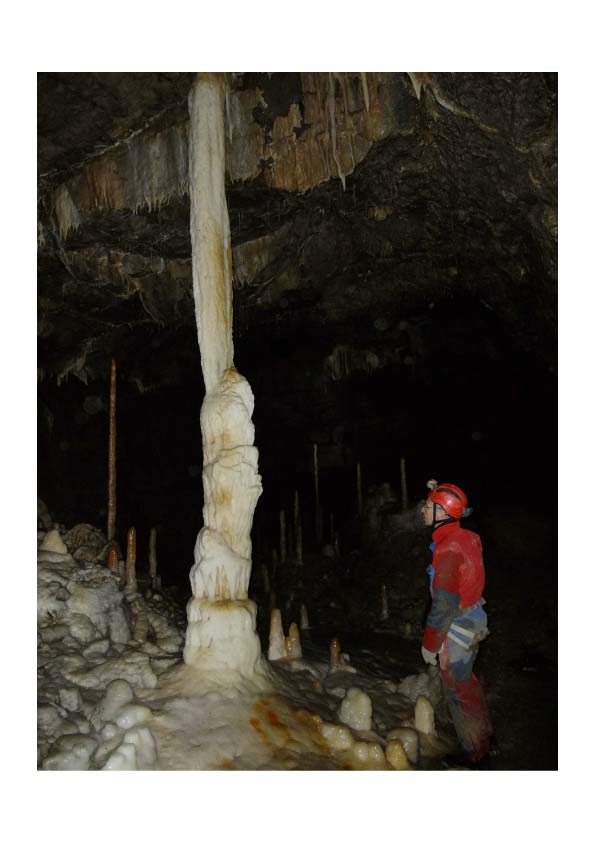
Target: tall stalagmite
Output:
[
  {"x": 112, "y": 457},
  {"x": 221, "y": 632}
]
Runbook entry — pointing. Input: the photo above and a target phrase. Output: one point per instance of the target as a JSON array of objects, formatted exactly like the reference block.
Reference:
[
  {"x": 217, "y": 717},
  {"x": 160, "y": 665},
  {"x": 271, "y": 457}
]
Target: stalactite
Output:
[
  {"x": 112, "y": 457},
  {"x": 332, "y": 127},
  {"x": 343, "y": 83},
  {"x": 65, "y": 211},
  {"x": 365, "y": 91},
  {"x": 221, "y": 632},
  {"x": 131, "y": 560}
]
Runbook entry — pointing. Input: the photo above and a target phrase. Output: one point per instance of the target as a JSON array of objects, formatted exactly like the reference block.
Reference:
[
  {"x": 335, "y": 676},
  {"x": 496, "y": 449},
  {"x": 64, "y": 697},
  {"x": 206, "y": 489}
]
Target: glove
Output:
[{"x": 429, "y": 657}]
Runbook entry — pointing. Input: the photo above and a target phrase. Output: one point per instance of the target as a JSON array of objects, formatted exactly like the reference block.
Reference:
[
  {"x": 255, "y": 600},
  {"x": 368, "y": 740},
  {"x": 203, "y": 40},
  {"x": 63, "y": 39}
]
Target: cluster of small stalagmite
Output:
[{"x": 281, "y": 646}]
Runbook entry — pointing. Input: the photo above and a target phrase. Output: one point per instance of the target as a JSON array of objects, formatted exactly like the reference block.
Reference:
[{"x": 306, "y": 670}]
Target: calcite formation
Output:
[
  {"x": 277, "y": 643},
  {"x": 356, "y": 709},
  {"x": 425, "y": 716},
  {"x": 221, "y": 631},
  {"x": 344, "y": 114}
]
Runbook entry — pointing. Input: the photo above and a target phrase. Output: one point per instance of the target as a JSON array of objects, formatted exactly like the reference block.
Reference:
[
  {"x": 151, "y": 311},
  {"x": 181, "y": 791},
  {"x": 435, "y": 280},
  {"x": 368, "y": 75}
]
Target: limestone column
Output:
[{"x": 221, "y": 631}]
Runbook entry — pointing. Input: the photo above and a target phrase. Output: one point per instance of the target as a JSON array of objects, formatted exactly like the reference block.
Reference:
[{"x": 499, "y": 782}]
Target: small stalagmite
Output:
[
  {"x": 396, "y": 756},
  {"x": 367, "y": 755},
  {"x": 318, "y": 510},
  {"x": 265, "y": 577},
  {"x": 113, "y": 561},
  {"x": 334, "y": 653},
  {"x": 112, "y": 456},
  {"x": 141, "y": 623},
  {"x": 293, "y": 645},
  {"x": 53, "y": 543},
  {"x": 424, "y": 716},
  {"x": 277, "y": 642},
  {"x": 384, "y": 604},
  {"x": 304, "y": 624},
  {"x": 404, "y": 485},
  {"x": 153, "y": 557},
  {"x": 297, "y": 529},
  {"x": 131, "y": 560},
  {"x": 316, "y": 473},
  {"x": 282, "y": 537},
  {"x": 356, "y": 710},
  {"x": 408, "y": 737}
]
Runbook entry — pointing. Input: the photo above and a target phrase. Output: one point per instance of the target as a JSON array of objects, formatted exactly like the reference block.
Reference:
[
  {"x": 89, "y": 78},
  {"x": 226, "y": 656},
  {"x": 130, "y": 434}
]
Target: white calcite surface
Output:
[
  {"x": 356, "y": 710},
  {"x": 53, "y": 543},
  {"x": 337, "y": 737},
  {"x": 408, "y": 738},
  {"x": 366, "y": 755},
  {"x": 277, "y": 641},
  {"x": 118, "y": 693},
  {"x": 221, "y": 632},
  {"x": 286, "y": 716},
  {"x": 426, "y": 684},
  {"x": 424, "y": 716},
  {"x": 89, "y": 667},
  {"x": 293, "y": 644},
  {"x": 396, "y": 755}
]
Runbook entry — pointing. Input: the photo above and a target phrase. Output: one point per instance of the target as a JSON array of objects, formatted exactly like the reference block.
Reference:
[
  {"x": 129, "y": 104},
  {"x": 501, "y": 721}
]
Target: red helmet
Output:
[{"x": 449, "y": 497}]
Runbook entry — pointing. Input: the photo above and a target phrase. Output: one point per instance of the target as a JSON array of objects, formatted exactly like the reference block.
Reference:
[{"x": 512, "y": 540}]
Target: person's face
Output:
[{"x": 427, "y": 513}]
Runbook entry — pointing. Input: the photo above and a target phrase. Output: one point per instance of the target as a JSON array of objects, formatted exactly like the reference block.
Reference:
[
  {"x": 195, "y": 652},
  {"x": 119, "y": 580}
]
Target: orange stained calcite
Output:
[{"x": 273, "y": 719}]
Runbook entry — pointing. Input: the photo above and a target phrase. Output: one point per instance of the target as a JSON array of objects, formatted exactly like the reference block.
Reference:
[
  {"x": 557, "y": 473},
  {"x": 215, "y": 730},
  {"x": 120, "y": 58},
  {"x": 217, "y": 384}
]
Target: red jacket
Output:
[{"x": 457, "y": 579}]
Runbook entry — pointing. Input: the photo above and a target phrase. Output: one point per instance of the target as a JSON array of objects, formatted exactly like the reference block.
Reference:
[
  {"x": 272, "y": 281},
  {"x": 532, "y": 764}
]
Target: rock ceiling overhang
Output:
[{"x": 349, "y": 194}]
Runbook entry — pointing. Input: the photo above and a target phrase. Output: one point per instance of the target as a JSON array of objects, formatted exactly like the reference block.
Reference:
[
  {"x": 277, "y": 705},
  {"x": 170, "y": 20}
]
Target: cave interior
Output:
[{"x": 394, "y": 246}]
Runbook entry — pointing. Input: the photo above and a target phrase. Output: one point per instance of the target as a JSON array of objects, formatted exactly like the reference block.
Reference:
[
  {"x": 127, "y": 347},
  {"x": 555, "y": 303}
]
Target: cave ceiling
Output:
[{"x": 358, "y": 203}]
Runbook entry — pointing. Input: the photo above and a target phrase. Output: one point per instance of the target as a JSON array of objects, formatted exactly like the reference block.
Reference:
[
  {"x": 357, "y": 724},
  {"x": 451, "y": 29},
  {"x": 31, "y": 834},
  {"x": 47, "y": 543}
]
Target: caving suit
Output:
[{"x": 455, "y": 625}]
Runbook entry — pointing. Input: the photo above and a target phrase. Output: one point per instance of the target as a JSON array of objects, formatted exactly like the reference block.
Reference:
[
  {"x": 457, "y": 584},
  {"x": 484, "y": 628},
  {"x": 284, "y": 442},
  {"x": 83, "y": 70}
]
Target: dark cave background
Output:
[
  {"x": 411, "y": 315},
  {"x": 476, "y": 411}
]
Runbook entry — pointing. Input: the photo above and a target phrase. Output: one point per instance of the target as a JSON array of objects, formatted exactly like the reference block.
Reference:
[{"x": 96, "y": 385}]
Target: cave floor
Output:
[{"x": 520, "y": 687}]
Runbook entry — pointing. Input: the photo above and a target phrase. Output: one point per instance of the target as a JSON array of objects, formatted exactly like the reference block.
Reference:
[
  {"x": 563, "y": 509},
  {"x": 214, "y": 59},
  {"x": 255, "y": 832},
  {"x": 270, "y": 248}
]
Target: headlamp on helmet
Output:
[{"x": 449, "y": 497}]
